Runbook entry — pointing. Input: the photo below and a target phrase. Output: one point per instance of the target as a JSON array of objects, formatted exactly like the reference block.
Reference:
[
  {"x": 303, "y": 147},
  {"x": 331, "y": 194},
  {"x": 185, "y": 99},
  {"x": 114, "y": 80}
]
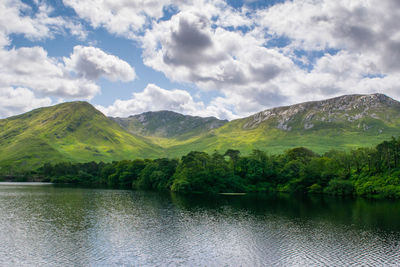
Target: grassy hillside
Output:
[
  {"x": 78, "y": 132},
  {"x": 340, "y": 123},
  {"x": 73, "y": 131}
]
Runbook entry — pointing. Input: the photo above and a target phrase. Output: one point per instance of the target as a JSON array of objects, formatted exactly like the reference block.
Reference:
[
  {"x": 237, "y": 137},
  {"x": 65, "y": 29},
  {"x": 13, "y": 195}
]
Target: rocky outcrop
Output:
[{"x": 343, "y": 109}]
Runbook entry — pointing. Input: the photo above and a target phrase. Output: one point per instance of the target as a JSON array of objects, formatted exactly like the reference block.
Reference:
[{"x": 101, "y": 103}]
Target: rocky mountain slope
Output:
[
  {"x": 362, "y": 111},
  {"x": 168, "y": 124},
  {"x": 344, "y": 122}
]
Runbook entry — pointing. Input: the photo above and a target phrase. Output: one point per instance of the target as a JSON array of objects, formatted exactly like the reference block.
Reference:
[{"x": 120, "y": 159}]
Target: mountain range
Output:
[{"x": 77, "y": 132}]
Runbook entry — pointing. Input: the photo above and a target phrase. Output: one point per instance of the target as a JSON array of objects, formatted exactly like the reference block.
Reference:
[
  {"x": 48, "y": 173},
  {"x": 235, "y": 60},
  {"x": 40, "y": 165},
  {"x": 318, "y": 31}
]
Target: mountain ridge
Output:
[
  {"x": 347, "y": 125},
  {"x": 347, "y": 103},
  {"x": 77, "y": 132},
  {"x": 168, "y": 124}
]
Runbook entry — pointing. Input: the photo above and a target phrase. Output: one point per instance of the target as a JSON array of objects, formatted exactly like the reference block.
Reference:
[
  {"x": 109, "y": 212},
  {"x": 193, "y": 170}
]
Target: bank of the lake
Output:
[
  {"x": 368, "y": 172},
  {"x": 52, "y": 225}
]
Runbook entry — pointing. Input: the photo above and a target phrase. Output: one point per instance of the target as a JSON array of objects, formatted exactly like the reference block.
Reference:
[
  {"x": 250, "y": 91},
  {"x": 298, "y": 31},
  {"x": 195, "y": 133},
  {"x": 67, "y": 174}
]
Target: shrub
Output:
[
  {"x": 338, "y": 187},
  {"x": 315, "y": 189}
]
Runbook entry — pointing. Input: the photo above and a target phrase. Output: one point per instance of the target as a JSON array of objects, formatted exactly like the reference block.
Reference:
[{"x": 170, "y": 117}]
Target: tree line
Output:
[{"x": 362, "y": 171}]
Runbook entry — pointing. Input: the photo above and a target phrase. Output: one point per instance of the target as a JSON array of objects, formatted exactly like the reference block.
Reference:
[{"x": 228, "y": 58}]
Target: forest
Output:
[{"x": 369, "y": 172}]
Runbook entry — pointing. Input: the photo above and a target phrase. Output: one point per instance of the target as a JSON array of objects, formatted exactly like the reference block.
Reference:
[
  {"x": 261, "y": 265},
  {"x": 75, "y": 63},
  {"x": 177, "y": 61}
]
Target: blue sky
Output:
[{"x": 227, "y": 59}]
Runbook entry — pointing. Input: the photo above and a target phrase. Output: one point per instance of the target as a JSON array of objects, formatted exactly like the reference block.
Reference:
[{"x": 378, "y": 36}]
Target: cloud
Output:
[
  {"x": 92, "y": 63},
  {"x": 119, "y": 16},
  {"x": 356, "y": 26},
  {"x": 358, "y": 48},
  {"x": 293, "y": 51},
  {"x": 31, "y": 67},
  {"x": 232, "y": 62},
  {"x": 4, "y": 41},
  {"x": 213, "y": 58},
  {"x": 200, "y": 45},
  {"x": 19, "y": 18},
  {"x": 75, "y": 77},
  {"x": 18, "y": 100},
  {"x": 188, "y": 44},
  {"x": 29, "y": 73},
  {"x": 154, "y": 98}
]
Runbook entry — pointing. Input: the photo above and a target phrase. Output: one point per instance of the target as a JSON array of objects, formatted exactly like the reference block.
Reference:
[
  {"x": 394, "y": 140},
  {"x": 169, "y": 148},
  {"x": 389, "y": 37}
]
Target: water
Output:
[{"x": 46, "y": 225}]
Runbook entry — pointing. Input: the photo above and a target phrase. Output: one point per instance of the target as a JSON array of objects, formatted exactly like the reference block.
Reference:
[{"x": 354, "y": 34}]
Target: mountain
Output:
[
  {"x": 73, "y": 131},
  {"x": 168, "y": 124},
  {"x": 339, "y": 123},
  {"x": 77, "y": 132}
]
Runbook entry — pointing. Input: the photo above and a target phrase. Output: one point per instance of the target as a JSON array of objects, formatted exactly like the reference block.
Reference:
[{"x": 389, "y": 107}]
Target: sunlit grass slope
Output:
[
  {"x": 77, "y": 132},
  {"x": 340, "y": 123},
  {"x": 73, "y": 131}
]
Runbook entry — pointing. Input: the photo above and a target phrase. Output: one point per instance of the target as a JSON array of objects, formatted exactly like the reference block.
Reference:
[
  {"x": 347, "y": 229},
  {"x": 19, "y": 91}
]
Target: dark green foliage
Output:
[
  {"x": 339, "y": 188},
  {"x": 300, "y": 153},
  {"x": 199, "y": 172},
  {"x": 157, "y": 174},
  {"x": 370, "y": 172}
]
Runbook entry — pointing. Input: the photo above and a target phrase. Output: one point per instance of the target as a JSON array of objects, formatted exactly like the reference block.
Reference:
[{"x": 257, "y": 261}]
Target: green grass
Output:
[
  {"x": 321, "y": 138},
  {"x": 77, "y": 132},
  {"x": 73, "y": 131}
]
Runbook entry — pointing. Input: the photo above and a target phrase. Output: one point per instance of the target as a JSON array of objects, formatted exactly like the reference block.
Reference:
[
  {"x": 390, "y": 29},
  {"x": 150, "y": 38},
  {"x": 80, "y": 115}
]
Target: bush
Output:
[
  {"x": 339, "y": 188},
  {"x": 315, "y": 189},
  {"x": 390, "y": 191}
]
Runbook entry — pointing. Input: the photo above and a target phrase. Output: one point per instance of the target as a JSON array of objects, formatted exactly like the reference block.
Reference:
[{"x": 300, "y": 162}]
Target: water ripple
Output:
[{"x": 48, "y": 226}]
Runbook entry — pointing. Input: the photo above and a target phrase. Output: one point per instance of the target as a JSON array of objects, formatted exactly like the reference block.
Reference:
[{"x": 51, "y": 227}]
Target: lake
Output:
[{"x": 49, "y": 225}]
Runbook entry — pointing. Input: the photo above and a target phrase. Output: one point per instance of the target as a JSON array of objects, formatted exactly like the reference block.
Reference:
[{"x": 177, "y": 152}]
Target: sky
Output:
[{"x": 219, "y": 58}]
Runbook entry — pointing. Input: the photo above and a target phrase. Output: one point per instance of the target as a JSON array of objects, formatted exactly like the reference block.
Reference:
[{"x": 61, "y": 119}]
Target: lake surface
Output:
[{"x": 47, "y": 225}]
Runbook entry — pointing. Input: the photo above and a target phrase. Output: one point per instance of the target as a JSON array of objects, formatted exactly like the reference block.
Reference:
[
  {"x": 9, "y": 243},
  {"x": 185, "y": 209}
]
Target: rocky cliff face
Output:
[{"x": 348, "y": 109}]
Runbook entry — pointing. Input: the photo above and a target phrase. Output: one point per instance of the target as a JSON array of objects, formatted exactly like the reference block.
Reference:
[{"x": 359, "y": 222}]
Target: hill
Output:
[
  {"x": 339, "y": 123},
  {"x": 77, "y": 132},
  {"x": 73, "y": 131},
  {"x": 168, "y": 124}
]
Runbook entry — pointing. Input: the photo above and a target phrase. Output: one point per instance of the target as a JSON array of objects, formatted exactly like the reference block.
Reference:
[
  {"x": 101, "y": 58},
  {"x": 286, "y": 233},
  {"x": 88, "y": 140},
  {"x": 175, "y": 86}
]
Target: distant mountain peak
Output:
[
  {"x": 347, "y": 108},
  {"x": 166, "y": 123},
  {"x": 168, "y": 113}
]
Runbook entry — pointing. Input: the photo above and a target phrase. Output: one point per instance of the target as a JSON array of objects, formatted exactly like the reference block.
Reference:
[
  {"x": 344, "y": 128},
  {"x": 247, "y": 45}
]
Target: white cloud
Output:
[
  {"x": 32, "y": 68},
  {"x": 18, "y": 100},
  {"x": 4, "y": 40},
  {"x": 190, "y": 48},
  {"x": 34, "y": 74},
  {"x": 195, "y": 46},
  {"x": 130, "y": 18},
  {"x": 360, "y": 26},
  {"x": 346, "y": 46},
  {"x": 154, "y": 98},
  {"x": 19, "y": 18},
  {"x": 91, "y": 63},
  {"x": 187, "y": 48},
  {"x": 119, "y": 16}
]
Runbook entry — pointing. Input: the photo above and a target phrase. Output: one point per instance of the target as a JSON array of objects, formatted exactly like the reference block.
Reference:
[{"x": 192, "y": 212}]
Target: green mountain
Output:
[
  {"x": 168, "y": 124},
  {"x": 77, "y": 132},
  {"x": 339, "y": 123},
  {"x": 73, "y": 131}
]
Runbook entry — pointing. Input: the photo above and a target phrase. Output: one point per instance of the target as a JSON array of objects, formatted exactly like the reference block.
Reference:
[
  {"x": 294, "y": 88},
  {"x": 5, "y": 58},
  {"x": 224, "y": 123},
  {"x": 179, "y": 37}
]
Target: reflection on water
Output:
[{"x": 52, "y": 226}]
